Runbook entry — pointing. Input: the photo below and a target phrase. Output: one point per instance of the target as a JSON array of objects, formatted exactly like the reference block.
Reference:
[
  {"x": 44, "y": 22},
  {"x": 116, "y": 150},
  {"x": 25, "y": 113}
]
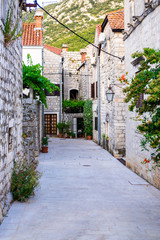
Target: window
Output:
[
  {"x": 96, "y": 123},
  {"x": 10, "y": 139},
  {"x": 54, "y": 93},
  {"x": 73, "y": 94},
  {"x": 92, "y": 90}
]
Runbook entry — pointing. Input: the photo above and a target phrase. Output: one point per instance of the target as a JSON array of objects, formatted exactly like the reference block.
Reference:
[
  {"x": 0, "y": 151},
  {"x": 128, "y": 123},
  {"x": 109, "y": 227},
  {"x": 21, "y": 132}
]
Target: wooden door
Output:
[{"x": 50, "y": 124}]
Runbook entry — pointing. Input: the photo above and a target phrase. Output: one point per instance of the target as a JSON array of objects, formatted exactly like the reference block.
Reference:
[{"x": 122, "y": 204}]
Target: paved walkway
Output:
[{"x": 85, "y": 194}]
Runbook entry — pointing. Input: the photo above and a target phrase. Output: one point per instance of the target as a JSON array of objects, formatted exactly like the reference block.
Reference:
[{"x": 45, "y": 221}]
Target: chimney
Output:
[
  {"x": 38, "y": 16},
  {"x": 83, "y": 55},
  {"x": 65, "y": 47}
]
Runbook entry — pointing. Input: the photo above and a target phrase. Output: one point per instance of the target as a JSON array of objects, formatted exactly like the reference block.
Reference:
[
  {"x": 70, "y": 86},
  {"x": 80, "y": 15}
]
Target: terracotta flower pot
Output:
[
  {"x": 44, "y": 149},
  {"x": 60, "y": 135},
  {"x": 89, "y": 137}
]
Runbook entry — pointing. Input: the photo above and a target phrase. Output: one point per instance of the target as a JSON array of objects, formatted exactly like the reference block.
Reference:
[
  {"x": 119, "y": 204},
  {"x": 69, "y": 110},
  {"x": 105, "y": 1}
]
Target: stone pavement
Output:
[{"x": 85, "y": 194}]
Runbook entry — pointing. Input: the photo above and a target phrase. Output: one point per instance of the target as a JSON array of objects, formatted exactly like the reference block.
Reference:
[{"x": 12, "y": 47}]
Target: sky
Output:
[{"x": 42, "y": 1}]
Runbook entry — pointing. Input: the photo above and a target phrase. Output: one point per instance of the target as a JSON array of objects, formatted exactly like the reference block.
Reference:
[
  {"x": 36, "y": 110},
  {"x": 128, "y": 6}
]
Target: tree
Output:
[
  {"x": 147, "y": 82},
  {"x": 32, "y": 78}
]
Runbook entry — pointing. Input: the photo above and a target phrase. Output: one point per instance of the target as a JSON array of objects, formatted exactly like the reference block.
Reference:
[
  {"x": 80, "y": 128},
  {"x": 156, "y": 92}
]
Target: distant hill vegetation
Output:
[{"x": 80, "y": 15}]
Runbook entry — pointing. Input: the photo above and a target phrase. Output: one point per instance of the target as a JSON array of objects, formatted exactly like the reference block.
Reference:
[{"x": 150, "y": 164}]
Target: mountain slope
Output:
[{"x": 81, "y": 16}]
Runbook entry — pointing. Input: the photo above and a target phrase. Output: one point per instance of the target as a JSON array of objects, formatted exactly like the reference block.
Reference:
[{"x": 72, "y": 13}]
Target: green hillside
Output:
[{"x": 80, "y": 15}]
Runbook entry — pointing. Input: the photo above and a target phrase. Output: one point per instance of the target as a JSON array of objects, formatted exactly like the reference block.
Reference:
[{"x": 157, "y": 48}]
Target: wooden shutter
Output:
[
  {"x": 96, "y": 123},
  {"x": 96, "y": 89},
  {"x": 93, "y": 90}
]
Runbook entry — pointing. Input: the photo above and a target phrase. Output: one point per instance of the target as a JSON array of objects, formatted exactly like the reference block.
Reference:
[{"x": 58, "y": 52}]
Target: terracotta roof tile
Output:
[
  {"x": 116, "y": 19},
  {"x": 53, "y": 49},
  {"x": 31, "y": 37}
]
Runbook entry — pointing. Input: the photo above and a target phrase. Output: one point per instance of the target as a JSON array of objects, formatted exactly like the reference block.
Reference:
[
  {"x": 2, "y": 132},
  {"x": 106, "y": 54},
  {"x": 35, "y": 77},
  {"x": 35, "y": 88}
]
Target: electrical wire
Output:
[{"x": 112, "y": 55}]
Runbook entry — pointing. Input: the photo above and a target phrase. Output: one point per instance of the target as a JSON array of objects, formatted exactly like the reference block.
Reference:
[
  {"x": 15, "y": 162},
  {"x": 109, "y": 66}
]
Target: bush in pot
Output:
[
  {"x": 63, "y": 128},
  {"x": 45, "y": 144}
]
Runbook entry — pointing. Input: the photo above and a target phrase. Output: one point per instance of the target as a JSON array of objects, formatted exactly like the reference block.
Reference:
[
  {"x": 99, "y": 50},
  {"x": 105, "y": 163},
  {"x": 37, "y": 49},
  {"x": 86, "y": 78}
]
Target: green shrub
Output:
[
  {"x": 25, "y": 178},
  {"x": 63, "y": 127},
  {"x": 45, "y": 141},
  {"x": 73, "y": 106},
  {"x": 88, "y": 118}
]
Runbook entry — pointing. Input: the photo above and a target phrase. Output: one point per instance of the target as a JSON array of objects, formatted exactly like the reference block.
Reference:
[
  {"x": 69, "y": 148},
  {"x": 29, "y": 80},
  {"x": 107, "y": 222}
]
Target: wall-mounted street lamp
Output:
[{"x": 109, "y": 94}]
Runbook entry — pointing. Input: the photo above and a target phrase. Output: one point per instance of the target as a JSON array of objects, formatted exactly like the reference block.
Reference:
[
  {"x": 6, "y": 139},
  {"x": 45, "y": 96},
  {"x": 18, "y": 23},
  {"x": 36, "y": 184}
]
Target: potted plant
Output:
[
  {"x": 70, "y": 134},
  {"x": 60, "y": 127},
  {"x": 73, "y": 135},
  {"x": 45, "y": 144},
  {"x": 104, "y": 140},
  {"x": 66, "y": 129},
  {"x": 63, "y": 128}
]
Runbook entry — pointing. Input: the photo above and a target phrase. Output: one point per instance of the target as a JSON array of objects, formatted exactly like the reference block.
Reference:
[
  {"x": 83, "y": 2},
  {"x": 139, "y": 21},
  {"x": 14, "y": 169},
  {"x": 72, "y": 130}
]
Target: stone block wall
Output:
[
  {"x": 145, "y": 35},
  {"x": 110, "y": 70},
  {"x": 71, "y": 63},
  {"x": 32, "y": 114},
  {"x": 10, "y": 108}
]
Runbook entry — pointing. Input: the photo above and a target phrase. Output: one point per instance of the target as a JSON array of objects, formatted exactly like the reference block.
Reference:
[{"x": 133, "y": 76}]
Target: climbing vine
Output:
[
  {"x": 88, "y": 118},
  {"x": 147, "y": 82},
  {"x": 33, "y": 78},
  {"x": 73, "y": 106}
]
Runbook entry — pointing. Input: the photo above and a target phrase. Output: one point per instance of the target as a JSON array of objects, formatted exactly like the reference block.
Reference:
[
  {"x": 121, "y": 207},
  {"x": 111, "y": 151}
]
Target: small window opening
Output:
[
  {"x": 74, "y": 94},
  {"x": 10, "y": 140}
]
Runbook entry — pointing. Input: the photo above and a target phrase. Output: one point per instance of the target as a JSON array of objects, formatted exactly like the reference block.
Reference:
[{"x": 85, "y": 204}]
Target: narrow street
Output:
[{"x": 85, "y": 194}]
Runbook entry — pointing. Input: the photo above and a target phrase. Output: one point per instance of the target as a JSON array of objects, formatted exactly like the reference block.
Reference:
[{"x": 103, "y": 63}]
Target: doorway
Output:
[
  {"x": 80, "y": 127},
  {"x": 51, "y": 124}
]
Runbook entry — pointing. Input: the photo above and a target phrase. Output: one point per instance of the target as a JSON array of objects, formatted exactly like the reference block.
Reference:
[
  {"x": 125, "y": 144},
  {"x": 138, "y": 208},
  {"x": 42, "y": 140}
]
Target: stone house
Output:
[
  {"x": 10, "y": 102},
  {"x": 112, "y": 114},
  {"x": 60, "y": 66},
  {"x": 32, "y": 39},
  {"x": 142, "y": 30},
  {"x": 52, "y": 66},
  {"x": 94, "y": 84}
]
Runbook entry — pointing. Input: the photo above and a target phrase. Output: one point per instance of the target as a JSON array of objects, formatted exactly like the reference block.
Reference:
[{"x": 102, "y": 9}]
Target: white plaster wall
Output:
[{"x": 35, "y": 52}]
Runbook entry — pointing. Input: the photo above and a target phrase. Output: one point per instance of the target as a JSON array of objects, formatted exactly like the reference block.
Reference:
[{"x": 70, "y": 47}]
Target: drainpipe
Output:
[
  {"x": 43, "y": 120},
  {"x": 60, "y": 100},
  {"x": 87, "y": 81},
  {"x": 98, "y": 80},
  {"x": 60, "y": 80}
]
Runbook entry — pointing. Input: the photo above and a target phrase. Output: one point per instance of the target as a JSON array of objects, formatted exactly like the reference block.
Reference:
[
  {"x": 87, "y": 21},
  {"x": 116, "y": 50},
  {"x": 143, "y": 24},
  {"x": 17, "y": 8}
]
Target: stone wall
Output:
[
  {"x": 10, "y": 108},
  {"x": 32, "y": 113},
  {"x": 111, "y": 69},
  {"x": 52, "y": 72},
  {"x": 112, "y": 115},
  {"x": 145, "y": 35},
  {"x": 72, "y": 61}
]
